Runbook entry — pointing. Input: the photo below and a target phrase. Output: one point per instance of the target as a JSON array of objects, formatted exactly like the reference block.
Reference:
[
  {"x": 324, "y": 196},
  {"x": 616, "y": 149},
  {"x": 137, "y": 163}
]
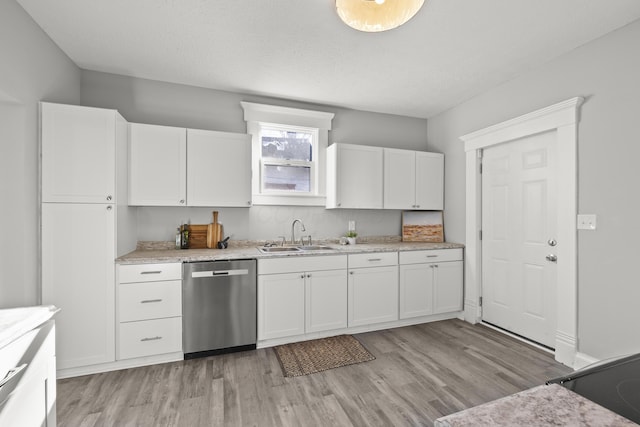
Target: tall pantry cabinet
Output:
[{"x": 86, "y": 224}]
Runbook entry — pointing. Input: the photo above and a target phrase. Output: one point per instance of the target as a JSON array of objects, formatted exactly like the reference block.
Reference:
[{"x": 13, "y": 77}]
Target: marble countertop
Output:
[
  {"x": 545, "y": 405},
  {"x": 150, "y": 254},
  {"x": 15, "y": 322}
]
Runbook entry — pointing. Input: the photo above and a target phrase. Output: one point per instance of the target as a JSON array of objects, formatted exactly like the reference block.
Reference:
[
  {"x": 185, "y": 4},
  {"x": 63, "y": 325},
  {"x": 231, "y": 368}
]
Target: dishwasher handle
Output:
[{"x": 218, "y": 273}]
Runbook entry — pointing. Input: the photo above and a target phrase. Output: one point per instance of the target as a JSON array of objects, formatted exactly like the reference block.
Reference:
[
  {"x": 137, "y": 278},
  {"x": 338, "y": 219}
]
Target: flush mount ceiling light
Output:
[{"x": 377, "y": 15}]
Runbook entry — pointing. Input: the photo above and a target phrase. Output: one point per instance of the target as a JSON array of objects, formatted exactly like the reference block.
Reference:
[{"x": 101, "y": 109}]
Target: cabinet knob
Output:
[
  {"x": 302, "y": 276},
  {"x": 109, "y": 198},
  {"x": 339, "y": 204},
  {"x": 351, "y": 272},
  {"x": 249, "y": 203},
  {"x": 182, "y": 202},
  {"x": 109, "y": 207},
  {"x": 308, "y": 275},
  {"x": 418, "y": 206}
]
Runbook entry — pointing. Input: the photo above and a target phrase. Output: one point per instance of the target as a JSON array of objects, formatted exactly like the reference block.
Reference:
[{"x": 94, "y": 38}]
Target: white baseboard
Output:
[
  {"x": 119, "y": 364},
  {"x": 583, "y": 360}
]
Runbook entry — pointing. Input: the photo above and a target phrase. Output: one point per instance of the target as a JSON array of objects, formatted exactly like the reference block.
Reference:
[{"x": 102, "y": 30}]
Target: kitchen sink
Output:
[
  {"x": 315, "y": 248},
  {"x": 273, "y": 249},
  {"x": 281, "y": 249}
]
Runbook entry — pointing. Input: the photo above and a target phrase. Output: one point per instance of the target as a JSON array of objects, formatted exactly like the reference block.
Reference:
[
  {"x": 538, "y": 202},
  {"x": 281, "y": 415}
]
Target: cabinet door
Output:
[
  {"x": 326, "y": 300},
  {"x": 78, "y": 277},
  {"x": 78, "y": 151},
  {"x": 157, "y": 165},
  {"x": 356, "y": 177},
  {"x": 429, "y": 181},
  {"x": 218, "y": 169},
  {"x": 448, "y": 284},
  {"x": 280, "y": 305},
  {"x": 399, "y": 179},
  {"x": 416, "y": 290},
  {"x": 373, "y": 295}
]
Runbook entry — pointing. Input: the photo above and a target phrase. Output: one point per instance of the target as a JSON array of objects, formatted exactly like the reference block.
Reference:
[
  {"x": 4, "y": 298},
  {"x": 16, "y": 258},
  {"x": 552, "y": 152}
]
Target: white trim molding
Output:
[
  {"x": 563, "y": 118},
  {"x": 258, "y": 114}
]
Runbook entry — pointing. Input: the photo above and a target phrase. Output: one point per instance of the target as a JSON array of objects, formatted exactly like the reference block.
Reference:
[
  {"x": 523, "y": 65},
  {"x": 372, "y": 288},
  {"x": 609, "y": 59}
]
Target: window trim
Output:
[{"x": 258, "y": 115}]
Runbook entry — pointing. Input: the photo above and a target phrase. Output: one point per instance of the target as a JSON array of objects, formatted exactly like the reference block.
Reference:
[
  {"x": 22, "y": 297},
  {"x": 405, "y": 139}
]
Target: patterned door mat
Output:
[{"x": 309, "y": 357}]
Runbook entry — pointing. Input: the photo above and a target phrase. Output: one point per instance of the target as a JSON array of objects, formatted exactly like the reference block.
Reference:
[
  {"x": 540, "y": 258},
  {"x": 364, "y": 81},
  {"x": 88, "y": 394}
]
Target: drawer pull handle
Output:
[
  {"x": 12, "y": 374},
  {"x": 148, "y": 301},
  {"x": 151, "y": 339},
  {"x": 432, "y": 256},
  {"x": 152, "y": 272},
  {"x": 374, "y": 259}
]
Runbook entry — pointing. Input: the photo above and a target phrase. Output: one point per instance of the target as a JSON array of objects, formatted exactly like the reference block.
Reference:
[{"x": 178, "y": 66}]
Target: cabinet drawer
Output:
[
  {"x": 150, "y": 300},
  {"x": 374, "y": 259},
  {"x": 302, "y": 263},
  {"x": 439, "y": 255},
  {"x": 150, "y": 337},
  {"x": 149, "y": 272}
]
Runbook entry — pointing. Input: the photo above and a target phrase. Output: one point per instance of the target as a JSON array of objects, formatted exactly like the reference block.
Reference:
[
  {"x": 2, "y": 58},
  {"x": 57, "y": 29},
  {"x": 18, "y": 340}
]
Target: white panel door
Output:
[
  {"x": 157, "y": 165},
  {"x": 416, "y": 290},
  {"x": 399, "y": 179},
  {"x": 429, "y": 181},
  {"x": 519, "y": 228},
  {"x": 326, "y": 300},
  {"x": 218, "y": 169},
  {"x": 78, "y": 276},
  {"x": 358, "y": 181},
  {"x": 280, "y": 305},
  {"x": 78, "y": 144},
  {"x": 373, "y": 295},
  {"x": 447, "y": 288}
]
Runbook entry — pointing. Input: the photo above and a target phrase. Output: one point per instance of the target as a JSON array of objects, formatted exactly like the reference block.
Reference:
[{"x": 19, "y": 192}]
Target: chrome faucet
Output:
[{"x": 293, "y": 230}]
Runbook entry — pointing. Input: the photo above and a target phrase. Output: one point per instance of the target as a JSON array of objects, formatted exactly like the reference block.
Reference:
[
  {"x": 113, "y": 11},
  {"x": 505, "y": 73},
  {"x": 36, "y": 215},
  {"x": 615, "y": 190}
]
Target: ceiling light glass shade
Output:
[{"x": 377, "y": 15}]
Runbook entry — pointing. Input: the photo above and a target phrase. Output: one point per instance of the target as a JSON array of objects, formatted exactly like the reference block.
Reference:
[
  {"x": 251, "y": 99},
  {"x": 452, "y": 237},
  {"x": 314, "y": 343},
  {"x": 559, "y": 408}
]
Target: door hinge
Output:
[
  {"x": 480, "y": 301},
  {"x": 480, "y": 234},
  {"x": 480, "y": 167}
]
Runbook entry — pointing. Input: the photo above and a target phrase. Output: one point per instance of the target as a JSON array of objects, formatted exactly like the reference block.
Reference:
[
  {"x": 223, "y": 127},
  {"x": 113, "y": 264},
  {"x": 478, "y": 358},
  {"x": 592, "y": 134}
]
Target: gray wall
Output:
[
  {"x": 148, "y": 101},
  {"x": 605, "y": 72},
  {"x": 33, "y": 69}
]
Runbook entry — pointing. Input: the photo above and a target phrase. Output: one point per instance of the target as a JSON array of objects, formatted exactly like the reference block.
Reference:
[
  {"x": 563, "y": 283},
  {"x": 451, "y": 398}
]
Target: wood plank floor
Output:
[{"x": 420, "y": 373}]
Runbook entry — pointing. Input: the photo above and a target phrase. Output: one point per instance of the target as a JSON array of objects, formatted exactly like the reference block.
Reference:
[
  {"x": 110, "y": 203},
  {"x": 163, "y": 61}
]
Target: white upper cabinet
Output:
[
  {"x": 354, "y": 176},
  {"x": 78, "y": 144},
  {"x": 413, "y": 180},
  {"x": 157, "y": 165},
  {"x": 218, "y": 168},
  {"x": 186, "y": 167},
  {"x": 429, "y": 181}
]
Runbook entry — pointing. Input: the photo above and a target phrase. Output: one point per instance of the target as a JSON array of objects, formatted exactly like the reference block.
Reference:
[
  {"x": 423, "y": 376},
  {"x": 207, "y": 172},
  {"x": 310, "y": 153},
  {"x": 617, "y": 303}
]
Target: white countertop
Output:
[{"x": 15, "y": 322}]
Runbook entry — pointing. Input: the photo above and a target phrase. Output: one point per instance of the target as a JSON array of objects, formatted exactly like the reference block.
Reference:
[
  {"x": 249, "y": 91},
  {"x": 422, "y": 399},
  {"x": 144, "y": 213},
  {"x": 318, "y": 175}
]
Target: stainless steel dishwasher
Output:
[{"x": 218, "y": 307}]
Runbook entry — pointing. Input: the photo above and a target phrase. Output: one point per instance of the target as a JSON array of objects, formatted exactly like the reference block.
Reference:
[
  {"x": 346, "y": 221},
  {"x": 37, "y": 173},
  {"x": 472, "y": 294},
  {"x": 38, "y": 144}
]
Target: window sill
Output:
[{"x": 284, "y": 200}]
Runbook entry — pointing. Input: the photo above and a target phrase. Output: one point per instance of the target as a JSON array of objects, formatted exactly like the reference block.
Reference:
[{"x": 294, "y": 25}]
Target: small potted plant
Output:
[{"x": 351, "y": 237}]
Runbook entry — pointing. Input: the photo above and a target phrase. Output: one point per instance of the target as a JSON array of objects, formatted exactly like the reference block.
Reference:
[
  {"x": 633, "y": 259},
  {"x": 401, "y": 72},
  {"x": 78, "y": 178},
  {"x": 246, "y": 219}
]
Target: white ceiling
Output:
[{"x": 300, "y": 50}]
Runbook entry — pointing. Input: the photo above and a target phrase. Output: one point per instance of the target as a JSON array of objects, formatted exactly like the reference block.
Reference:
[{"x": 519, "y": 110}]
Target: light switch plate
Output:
[{"x": 586, "y": 222}]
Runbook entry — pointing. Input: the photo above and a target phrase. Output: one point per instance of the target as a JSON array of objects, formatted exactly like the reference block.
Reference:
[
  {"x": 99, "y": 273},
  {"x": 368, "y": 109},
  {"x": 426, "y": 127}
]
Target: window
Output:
[{"x": 288, "y": 154}]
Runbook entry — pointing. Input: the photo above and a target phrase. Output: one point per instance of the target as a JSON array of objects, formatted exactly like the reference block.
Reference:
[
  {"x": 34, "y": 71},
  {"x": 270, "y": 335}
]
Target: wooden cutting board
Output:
[
  {"x": 214, "y": 232},
  {"x": 198, "y": 236}
]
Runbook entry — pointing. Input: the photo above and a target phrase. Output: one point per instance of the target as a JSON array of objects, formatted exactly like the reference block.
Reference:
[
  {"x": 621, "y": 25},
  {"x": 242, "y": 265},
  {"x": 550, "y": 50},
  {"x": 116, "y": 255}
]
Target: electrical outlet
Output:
[{"x": 587, "y": 222}]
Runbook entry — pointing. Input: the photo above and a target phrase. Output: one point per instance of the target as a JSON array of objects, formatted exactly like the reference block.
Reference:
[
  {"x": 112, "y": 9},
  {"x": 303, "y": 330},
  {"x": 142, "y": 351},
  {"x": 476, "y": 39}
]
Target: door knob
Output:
[
  {"x": 552, "y": 258},
  {"x": 552, "y": 242}
]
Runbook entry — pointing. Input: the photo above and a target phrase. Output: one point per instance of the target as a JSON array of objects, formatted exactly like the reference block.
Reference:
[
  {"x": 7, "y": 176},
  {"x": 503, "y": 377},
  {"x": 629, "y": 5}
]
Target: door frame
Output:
[{"x": 562, "y": 118}]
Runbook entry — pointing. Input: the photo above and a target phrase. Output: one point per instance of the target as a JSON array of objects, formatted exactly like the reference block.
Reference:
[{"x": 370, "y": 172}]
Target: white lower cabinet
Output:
[
  {"x": 149, "y": 310},
  {"x": 325, "y": 300},
  {"x": 431, "y": 282},
  {"x": 373, "y": 288},
  {"x": 447, "y": 287},
  {"x": 280, "y": 305},
  {"x": 301, "y": 295}
]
